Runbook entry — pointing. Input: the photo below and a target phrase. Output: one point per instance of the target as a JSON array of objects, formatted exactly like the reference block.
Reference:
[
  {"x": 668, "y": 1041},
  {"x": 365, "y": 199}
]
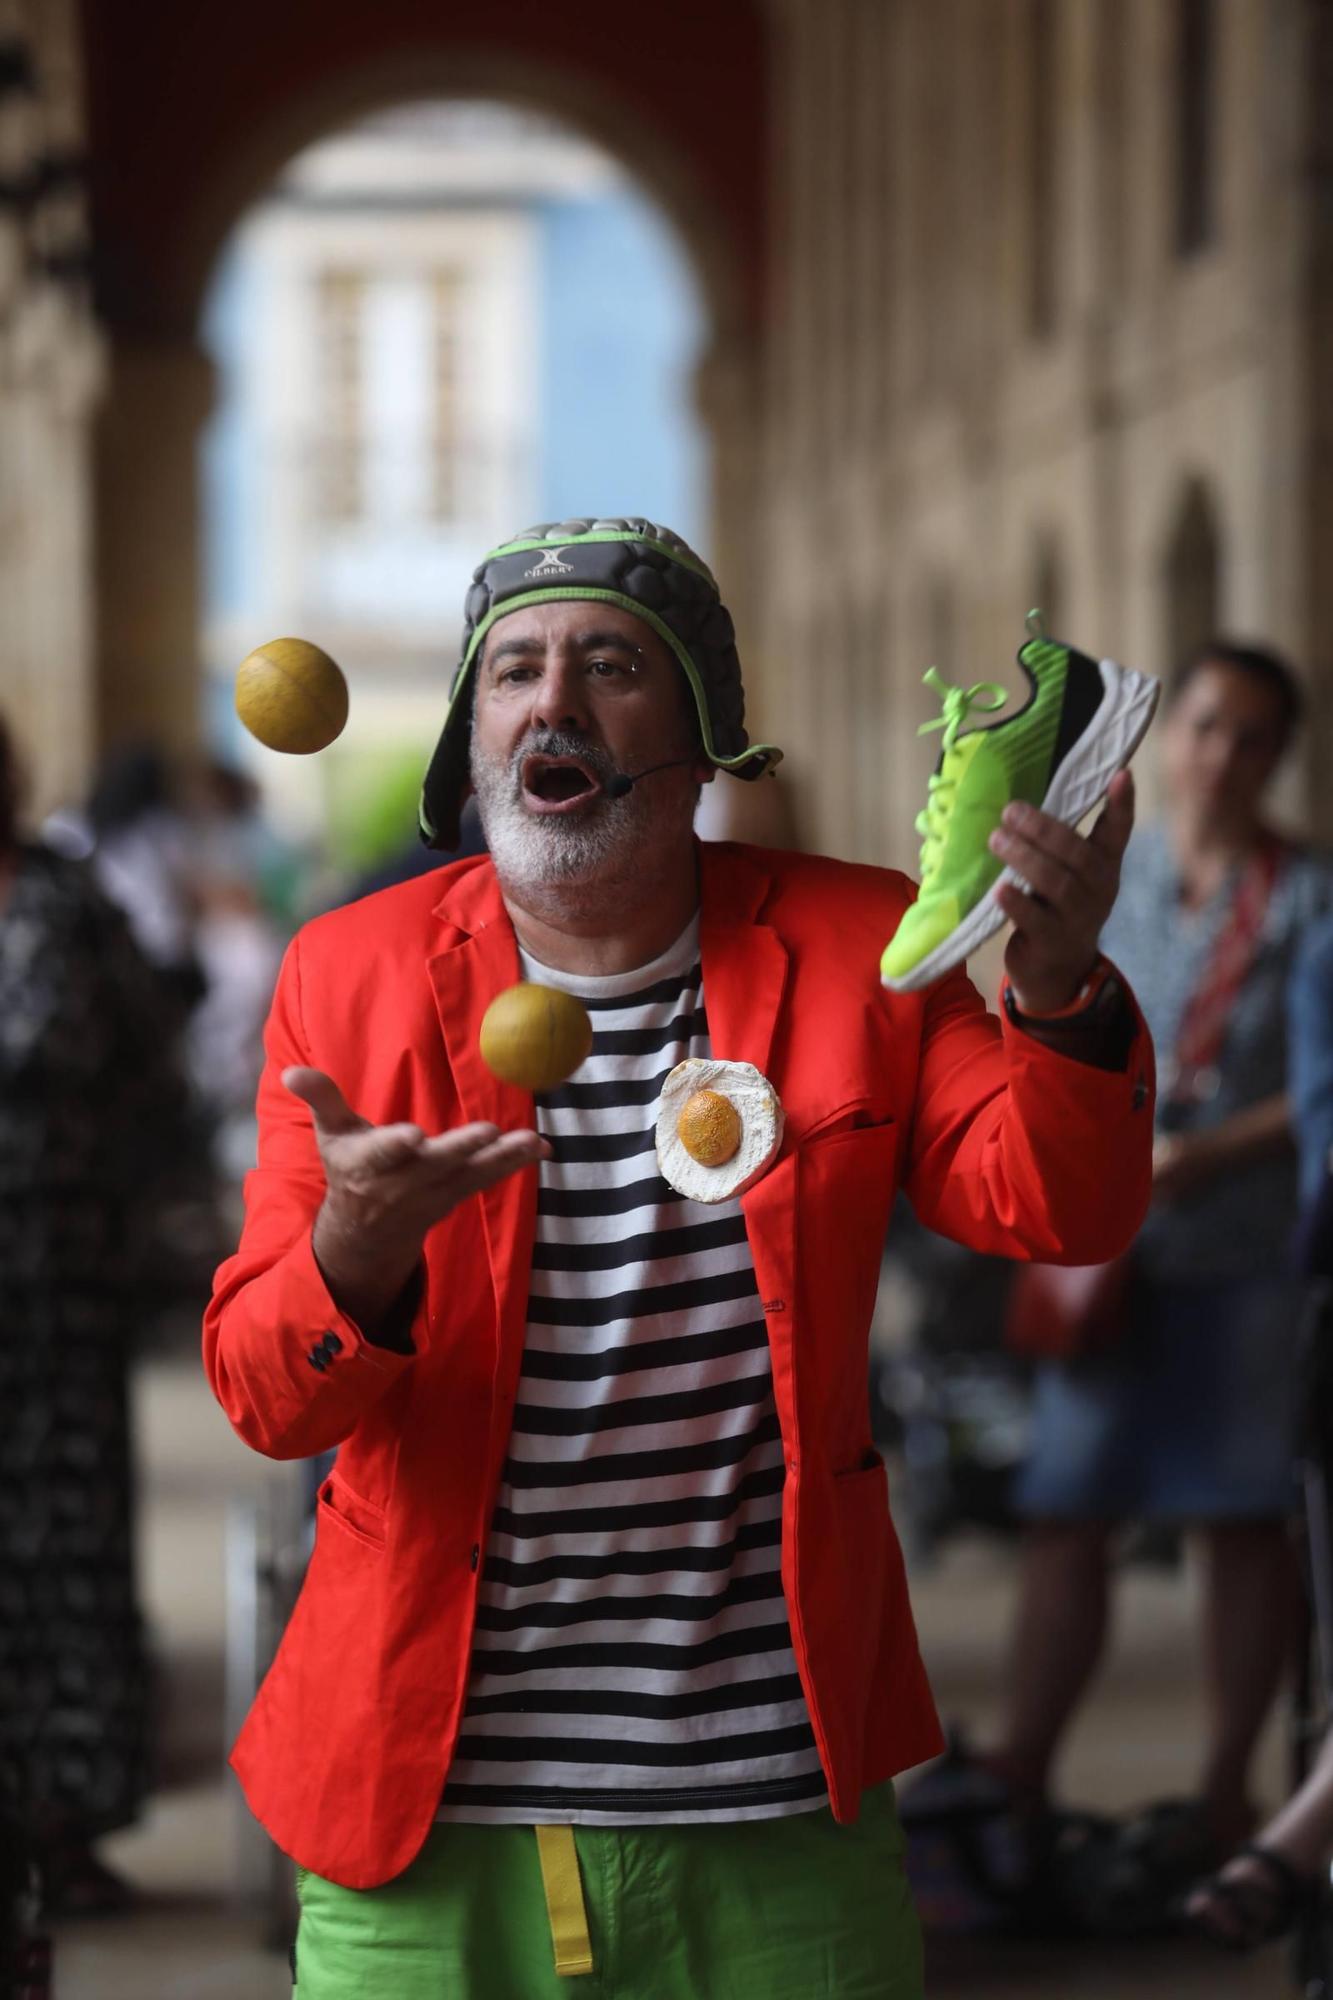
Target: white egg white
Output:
[{"x": 755, "y": 1101}]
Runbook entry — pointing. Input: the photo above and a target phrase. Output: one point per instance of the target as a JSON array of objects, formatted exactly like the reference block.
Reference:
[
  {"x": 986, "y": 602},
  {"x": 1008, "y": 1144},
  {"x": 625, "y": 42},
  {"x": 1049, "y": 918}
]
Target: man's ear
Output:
[{"x": 703, "y": 770}]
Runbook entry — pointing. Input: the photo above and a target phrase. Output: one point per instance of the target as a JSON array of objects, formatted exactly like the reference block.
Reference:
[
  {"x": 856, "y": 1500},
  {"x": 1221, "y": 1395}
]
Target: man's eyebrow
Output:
[{"x": 513, "y": 649}]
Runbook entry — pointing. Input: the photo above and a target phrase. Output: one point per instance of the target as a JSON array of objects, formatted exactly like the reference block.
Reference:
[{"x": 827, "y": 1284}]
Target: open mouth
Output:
[{"x": 551, "y": 784}]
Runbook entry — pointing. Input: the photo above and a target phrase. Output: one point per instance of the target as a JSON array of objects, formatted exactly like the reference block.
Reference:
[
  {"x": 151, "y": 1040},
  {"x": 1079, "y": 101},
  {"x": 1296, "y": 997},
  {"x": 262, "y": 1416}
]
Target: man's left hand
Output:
[{"x": 1072, "y": 884}]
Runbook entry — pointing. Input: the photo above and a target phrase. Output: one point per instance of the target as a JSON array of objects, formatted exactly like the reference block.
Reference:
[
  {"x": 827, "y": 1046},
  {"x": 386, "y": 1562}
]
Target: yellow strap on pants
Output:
[{"x": 564, "y": 1900}]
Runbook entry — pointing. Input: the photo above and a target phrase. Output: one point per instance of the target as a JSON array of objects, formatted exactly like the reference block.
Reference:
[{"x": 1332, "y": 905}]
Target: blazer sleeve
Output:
[
  {"x": 294, "y": 1374},
  {"x": 1020, "y": 1150}
]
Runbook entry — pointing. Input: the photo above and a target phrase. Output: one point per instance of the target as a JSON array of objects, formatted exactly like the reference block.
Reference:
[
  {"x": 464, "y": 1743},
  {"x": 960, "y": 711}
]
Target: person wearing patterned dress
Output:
[
  {"x": 86, "y": 1089},
  {"x": 605, "y": 1552}
]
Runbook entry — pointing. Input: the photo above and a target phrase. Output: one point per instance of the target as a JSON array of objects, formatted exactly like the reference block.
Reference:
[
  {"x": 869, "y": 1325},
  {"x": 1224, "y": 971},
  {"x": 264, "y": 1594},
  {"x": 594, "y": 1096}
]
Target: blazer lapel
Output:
[
  {"x": 744, "y": 962},
  {"x": 480, "y": 961},
  {"x": 745, "y": 967}
]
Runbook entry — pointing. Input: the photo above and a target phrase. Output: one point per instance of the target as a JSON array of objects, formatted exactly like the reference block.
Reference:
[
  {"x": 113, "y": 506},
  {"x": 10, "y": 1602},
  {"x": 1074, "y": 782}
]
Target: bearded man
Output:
[{"x": 606, "y": 1550}]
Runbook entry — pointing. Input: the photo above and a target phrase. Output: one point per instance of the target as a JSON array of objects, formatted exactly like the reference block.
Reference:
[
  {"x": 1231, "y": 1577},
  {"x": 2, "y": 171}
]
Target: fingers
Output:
[
  {"x": 1036, "y": 921},
  {"x": 481, "y": 1161},
  {"x": 385, "y": 1147},
  {"x": 455, "y": 1152},
  {"x": 1058, "y": 864},
  {"x": 454, "y": 1166},
  {"x": 1115, "y": 823},
  {"x": 507, "y": 1155},
  {"x": 405, "y": 1151},
  {"x": 332, "y": 1113}
]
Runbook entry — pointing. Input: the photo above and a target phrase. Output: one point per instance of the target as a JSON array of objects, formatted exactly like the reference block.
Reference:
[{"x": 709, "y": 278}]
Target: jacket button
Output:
[
  {"x": 318, "y": 1359},
  {"x": 476, "y": 1554},
  {"x": 331, "y": 1344}
]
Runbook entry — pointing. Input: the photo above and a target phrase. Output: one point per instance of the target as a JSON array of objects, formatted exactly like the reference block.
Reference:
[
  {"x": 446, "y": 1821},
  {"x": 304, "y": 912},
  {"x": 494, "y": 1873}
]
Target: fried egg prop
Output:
[{"x": 719, "y": 1127}]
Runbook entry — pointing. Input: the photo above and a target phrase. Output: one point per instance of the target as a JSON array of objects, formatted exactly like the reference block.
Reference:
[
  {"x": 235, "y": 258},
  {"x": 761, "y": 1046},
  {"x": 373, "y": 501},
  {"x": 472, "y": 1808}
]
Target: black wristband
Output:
[{"x": 1100, "y": 1034}]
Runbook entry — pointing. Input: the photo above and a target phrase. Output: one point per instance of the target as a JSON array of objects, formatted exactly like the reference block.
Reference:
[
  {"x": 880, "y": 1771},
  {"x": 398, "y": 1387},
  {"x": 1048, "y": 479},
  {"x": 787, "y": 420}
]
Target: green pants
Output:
[{"x": 775, "y": 1909}]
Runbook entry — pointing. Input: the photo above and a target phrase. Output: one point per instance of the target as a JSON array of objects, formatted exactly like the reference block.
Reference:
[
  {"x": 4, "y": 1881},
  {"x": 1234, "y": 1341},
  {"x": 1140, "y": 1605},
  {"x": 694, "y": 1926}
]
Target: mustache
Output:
[{"x": 562, "y": 743}]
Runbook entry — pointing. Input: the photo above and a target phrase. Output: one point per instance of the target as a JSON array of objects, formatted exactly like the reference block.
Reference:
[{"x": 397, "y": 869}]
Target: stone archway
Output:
[{"x": 692, "y": 139}]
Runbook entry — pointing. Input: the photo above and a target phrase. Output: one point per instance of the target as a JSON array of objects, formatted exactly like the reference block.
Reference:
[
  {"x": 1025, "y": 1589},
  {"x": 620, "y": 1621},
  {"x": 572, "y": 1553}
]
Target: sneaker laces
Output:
[{"x": 958, "y": 703}]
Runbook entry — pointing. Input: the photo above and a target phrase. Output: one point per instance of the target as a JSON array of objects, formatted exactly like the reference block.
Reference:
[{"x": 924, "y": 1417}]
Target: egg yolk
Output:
[{"x": 709, "y": 1128}]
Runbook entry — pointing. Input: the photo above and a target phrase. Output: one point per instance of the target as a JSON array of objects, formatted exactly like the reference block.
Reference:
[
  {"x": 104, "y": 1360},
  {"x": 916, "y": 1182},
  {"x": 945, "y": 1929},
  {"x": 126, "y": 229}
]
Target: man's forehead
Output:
[{"x": 579, "y": 622}]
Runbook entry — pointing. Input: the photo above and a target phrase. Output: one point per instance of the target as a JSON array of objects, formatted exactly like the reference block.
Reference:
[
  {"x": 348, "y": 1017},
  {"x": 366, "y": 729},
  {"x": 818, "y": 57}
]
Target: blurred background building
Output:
[
  {"x": 449, "y": 317},
  {"x": 911, "y": 314},
  {"x": 942, "y": 308}
]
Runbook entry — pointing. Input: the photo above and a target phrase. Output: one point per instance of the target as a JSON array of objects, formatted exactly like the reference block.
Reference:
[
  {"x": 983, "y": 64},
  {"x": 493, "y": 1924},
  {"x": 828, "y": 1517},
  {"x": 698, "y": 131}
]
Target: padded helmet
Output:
[{"x": 647, "y": 571}]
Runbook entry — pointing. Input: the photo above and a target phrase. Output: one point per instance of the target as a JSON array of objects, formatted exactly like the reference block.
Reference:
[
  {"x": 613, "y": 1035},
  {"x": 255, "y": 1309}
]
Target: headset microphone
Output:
[{"x": 622, "y": 782}]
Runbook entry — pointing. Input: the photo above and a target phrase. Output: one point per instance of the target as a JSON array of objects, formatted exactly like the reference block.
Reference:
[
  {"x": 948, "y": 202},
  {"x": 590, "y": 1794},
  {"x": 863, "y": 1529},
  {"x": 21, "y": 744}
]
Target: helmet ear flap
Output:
[{"x": 449, "y": 773}]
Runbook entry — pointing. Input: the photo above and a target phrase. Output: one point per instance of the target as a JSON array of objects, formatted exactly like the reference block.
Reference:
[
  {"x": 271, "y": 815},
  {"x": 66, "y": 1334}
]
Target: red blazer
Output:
[{"x": 999, "y": 1141}]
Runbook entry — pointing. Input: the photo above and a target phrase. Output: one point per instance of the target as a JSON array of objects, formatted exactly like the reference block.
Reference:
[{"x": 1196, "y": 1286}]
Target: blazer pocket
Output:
[
  {"x": 847, "y": 1179},
  {"x": 353, "y": 1516},
  {"x": 857, "y": 1115}
]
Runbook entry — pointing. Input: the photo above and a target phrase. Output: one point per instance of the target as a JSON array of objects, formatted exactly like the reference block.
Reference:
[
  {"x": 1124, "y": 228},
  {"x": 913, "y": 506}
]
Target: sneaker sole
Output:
[{"x": 1105, "y": 747}]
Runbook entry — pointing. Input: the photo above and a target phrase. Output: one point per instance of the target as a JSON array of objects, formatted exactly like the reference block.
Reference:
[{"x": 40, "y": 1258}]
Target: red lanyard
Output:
[{"x": 1203, "y": 1026}]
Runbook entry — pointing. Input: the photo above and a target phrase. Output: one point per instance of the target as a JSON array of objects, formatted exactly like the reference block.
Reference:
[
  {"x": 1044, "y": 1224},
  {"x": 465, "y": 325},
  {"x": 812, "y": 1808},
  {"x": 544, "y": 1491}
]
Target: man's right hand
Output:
[{"x": 387, "y": 1185}]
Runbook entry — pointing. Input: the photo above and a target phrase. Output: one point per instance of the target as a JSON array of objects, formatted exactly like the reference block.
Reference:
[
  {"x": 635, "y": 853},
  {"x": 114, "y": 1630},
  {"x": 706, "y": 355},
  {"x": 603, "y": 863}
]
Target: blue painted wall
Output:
[
  {"x": 228, "y": 467},
  {"x": 620, "y": 327},
  {"x": 621, "y": 330}
]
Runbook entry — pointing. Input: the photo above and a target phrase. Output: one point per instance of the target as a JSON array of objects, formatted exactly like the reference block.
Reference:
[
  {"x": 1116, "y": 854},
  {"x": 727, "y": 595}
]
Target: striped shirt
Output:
[{"x": 632, "y": 1659}]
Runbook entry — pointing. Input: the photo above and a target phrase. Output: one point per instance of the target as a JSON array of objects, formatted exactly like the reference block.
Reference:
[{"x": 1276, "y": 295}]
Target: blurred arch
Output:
[
  {"x": 331, "y": 105},
  {"x": 185, "y": 136}
]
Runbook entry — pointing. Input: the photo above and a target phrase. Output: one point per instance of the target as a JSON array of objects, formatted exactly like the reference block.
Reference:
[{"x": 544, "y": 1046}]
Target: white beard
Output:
[{"x": 576, "y": 862}]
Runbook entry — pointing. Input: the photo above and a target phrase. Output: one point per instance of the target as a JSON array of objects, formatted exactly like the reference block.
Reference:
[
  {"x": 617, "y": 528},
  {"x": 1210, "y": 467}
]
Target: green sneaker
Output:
[{"x": 1081, "y": 723}]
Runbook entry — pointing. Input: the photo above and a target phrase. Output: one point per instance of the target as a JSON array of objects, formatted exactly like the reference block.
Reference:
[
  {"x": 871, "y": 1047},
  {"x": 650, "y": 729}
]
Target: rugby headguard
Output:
[{"x": 647, "y": 571}]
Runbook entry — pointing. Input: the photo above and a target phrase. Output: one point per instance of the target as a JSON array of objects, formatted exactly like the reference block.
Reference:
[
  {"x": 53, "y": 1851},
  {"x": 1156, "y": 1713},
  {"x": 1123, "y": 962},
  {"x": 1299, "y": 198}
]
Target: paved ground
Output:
[{"x": 192, "y": 1939}]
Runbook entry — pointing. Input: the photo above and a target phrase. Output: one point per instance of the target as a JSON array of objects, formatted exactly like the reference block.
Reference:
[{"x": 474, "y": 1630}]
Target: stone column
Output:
[
  {"x": 1315, "y": 505},
  {"x": 50, "y": 377},
  {"x": 46, "y": 396},
  {"x": 149, "y": 557}
]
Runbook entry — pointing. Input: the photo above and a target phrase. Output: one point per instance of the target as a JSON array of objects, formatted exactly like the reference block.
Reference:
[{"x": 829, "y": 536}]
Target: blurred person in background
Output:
[
  {"x": 1259, "y": 1892},
  {"x": 1187, "y": 1417},
  {"x": 1311, "y": 1028},
  {"x": 228, "y": 834},
  {"x": 245, "y": 882},
  {"x": 411, "y": 859},
  {"x": 86, "y": 1088},
  {"x": 136, "y": 840}
]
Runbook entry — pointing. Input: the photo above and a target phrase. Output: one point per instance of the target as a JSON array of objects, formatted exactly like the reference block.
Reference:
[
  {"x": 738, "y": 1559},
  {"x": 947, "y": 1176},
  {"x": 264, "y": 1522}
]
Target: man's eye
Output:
[
  {"x": 611, "y": 669},
  {"x": 517, "y": 674}
]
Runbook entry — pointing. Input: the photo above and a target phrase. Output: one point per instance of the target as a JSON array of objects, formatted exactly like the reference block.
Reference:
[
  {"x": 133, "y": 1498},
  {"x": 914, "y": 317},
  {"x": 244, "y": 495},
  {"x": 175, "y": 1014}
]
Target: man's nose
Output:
[{"x": 560, "y": 699}]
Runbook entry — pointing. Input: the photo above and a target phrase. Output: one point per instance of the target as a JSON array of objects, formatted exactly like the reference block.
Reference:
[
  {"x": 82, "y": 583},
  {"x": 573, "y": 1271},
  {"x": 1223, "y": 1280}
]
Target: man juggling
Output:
[{"x": 604, "y": 1663}]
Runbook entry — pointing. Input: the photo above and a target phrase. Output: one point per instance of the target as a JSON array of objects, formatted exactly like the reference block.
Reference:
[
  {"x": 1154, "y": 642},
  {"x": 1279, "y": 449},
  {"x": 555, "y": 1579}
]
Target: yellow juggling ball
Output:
[
  {"x": 535, "y": 1036},
  {"x": 291, "y": 696}
]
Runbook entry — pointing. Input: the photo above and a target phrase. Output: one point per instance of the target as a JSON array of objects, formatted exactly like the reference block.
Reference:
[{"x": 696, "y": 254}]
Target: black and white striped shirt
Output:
[{"x": 632, "y": 1658}]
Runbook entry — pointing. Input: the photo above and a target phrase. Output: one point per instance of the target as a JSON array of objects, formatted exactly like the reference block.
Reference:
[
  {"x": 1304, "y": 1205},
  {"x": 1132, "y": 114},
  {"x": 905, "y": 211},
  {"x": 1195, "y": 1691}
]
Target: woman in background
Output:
[
  {"x": 1266, "y": 1884},
  {"x": 87, "y": 1090},
  {"x": 1188, "y": 1419}
]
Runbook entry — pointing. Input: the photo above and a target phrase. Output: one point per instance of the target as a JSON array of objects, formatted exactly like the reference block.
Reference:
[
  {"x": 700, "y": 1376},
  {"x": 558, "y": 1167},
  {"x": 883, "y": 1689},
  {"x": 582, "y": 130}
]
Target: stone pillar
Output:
[
  {"x": 50, "y": 377},
  {"x": 1316, "y": 378},
  {"x": 149, "y": 557},
  {"x": 725, "y": 398}
]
